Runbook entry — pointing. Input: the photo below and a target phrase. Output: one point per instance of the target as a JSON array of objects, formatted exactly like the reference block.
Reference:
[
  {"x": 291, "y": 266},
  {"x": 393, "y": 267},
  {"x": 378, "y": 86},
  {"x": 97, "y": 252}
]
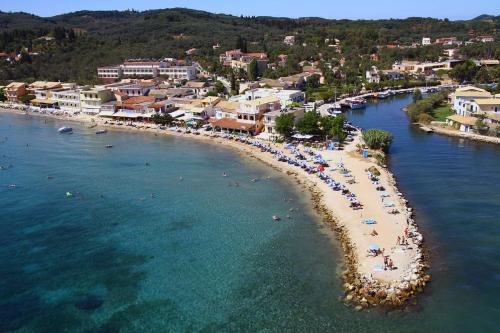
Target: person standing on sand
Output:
[{"x": 398, "y": 241}]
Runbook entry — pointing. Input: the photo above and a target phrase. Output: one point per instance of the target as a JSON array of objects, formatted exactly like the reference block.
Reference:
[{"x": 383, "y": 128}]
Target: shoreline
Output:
[
  {"x": 455, "y": 133},
  {"x": 363, "y": 286}
]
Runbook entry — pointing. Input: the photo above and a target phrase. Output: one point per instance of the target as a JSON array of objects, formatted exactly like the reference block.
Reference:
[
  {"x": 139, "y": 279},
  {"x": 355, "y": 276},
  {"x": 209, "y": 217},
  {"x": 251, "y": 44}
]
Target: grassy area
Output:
[{"x": 442, "y": 112}]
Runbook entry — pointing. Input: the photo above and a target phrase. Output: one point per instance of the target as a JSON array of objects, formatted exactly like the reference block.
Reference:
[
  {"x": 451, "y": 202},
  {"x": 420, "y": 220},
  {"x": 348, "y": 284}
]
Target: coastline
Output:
[
  {"x": 363, "y": 287},
  {"x": 455, "y": 133}
]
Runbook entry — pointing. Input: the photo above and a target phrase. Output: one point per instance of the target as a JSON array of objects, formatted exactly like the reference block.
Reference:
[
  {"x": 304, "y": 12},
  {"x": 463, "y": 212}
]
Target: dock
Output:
[{"x": 426, "y": 129}]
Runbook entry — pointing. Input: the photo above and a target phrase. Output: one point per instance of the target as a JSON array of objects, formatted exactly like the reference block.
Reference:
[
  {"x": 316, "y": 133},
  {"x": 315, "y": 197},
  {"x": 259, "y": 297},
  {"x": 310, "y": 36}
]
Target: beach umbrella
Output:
[{"x": 373, "y": 247}]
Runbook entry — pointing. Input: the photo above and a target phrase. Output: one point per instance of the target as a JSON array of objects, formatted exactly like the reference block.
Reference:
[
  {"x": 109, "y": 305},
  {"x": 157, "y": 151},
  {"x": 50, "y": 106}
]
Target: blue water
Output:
[{"x": 137, "y": 249}]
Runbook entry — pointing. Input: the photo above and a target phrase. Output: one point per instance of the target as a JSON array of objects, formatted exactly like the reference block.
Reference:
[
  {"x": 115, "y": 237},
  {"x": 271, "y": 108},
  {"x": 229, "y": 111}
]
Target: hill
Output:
[{"x": 79, "y": 42}]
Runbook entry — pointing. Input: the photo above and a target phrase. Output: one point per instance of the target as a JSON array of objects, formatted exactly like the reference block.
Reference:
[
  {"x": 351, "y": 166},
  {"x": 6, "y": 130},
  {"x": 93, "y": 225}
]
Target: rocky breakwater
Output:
[{"x": 364, "y": 291}]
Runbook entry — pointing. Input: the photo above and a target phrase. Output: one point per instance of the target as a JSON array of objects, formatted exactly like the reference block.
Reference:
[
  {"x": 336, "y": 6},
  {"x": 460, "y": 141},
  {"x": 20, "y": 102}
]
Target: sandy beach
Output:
[{"x": 367, "y": 281}]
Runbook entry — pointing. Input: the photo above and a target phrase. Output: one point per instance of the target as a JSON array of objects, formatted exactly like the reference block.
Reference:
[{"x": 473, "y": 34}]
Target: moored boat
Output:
[
  {"x": 101, "y": 131},
  {"x": 355, "y": 103},
  {"x": 65, "y": 129}
]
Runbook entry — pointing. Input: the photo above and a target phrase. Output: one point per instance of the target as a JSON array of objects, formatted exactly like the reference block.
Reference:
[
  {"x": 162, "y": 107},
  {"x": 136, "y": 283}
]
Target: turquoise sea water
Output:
[{"x": 137, "y": 249}]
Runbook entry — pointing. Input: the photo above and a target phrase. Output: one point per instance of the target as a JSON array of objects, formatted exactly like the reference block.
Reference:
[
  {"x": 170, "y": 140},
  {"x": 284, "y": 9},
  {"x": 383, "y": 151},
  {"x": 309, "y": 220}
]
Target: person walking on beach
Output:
[{"x": 398, "y": 241}]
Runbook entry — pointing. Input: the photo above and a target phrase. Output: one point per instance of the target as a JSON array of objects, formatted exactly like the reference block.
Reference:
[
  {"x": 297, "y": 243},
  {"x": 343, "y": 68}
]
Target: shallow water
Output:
[{"x": 137, "y": 249}]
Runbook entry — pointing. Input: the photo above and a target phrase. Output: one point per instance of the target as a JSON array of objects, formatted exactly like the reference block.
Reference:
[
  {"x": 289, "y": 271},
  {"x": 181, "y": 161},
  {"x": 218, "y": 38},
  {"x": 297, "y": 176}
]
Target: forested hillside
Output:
[{"x": 69, "y": 47}]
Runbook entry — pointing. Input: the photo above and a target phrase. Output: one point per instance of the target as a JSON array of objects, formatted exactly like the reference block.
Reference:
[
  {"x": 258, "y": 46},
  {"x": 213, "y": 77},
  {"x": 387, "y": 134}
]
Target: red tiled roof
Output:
[
  {"x": 231, "y": 124},
  {"x": 139, "y": 99}
]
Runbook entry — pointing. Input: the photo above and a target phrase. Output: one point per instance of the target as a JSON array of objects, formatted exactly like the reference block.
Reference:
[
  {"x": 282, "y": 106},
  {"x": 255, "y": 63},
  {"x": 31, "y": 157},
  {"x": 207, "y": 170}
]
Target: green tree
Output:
[
  {"x": 233, "y": 82},
  {"x": 309, "y": 124},
  {"x": 337, "y": 130},
  {"x": 2, "y": 95},
  {"x": 285, "y": 124},
  {"x": 464, "y": 72},
  {"x": 377, "y": 139},
  {"x": 253, "y": 70},
  {"x": 219, "y": 87},
  {"x": 312, "y": 81},
  {"x": 417, "y": 95},
  {"x": 162, "y": 119}
]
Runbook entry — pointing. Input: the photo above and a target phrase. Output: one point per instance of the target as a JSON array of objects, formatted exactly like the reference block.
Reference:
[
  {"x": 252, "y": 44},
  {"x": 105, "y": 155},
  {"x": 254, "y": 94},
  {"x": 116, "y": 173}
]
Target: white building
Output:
[
  {"x": 270, "y": 121},
  {"x": 68, "y": 100},
  {"x": 462, "y": 97},
  {"x": 285, "y": 96},
  {"x": 91, "y": 100},
  {"x": 148, "y": 68},
  {"x": 372, "y": 75},
  {"x": 426, "y": 41},
  {"x": 179, "y": 72},
  {"x": 289, "y": 40}
]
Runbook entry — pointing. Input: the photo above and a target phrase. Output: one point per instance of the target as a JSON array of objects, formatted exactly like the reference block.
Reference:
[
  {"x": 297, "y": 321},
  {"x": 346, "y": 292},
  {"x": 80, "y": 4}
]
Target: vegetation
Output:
[
  {"x": 69, "y": 47},
  {"x": 427, "y": 105},
  {"x": 309, "y": 124},
  {"x": 417, "y": 95},
  {"x": 253, "y": 70},
  {"x": 442, "y": 112},
  {"x": 2, "y": 95},
  {"x": 285, "y": 124},
  {"x": 377, "y": 139},
  {"x": 162, "y": 119}
]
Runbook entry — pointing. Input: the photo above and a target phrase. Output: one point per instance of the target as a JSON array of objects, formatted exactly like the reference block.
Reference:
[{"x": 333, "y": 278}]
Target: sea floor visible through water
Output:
[{"x": 135, "y": 248}]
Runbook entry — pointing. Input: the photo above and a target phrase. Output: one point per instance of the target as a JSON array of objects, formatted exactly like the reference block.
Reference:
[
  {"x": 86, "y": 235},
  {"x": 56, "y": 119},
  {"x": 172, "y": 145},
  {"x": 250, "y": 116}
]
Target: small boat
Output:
[
  {"x": 65, "y": 129},
  {"x": 276, "y": 218},
  {"x": 92, "y": 126},
  {"x": 355, "y": 103},
  {"x": 101, "y": 131},
  {"x": 109, "y": 146}
]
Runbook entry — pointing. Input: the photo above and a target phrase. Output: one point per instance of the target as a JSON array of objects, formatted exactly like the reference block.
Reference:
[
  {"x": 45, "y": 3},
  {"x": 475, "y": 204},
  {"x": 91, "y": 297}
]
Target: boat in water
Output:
[
  {"x": 101, "y": 131},
  {"x": 65, "y": 129},
  {"x": 355, "y": 103},
  {"x": 383, "y": 94},
  {"x": 109, "y": 146}
]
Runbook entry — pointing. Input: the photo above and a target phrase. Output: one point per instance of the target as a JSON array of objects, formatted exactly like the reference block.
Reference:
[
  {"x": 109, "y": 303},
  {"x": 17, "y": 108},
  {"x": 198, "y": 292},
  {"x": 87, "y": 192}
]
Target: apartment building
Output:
[{"x": 91, "y": 100}]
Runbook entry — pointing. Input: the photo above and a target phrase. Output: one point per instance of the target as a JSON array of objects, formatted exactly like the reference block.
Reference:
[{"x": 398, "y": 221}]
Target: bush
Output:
[
  {"x": 425, "y": 118},
  {"x": 377, "y": 139}
]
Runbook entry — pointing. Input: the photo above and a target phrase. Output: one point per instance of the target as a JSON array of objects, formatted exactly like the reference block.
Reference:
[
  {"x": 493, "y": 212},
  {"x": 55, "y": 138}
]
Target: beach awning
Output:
[
  {"x": 106, "y": 113},
  {"x": 373, "y": 247},
  {"x": 302, "y": 136},
  {"x": 177, "y": 114},
  {"x": 42, "y": 101},
  {"x": 127, "y": 115},
  {"x": 189, "y": 117}
]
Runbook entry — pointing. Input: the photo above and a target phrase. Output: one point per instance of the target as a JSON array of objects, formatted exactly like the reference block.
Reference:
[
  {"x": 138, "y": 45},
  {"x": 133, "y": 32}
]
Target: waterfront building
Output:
[
  {"x": 462, "y": 123},
  {"x": 462, "y": 97},
  {"x": 372, "y": 75},
  {"x": 136, "y": 89},
  {"x": 42, "y": 85},
  {"x": 269, "y": 131},
  {"x": 91, "y": 100},
  {"x": 68, "y": 101},
  {"x": 227, "y": 109},
  {"x": 14, "y": 91},
  {"x": 285, "y": 96},
  {"x": 426, "y": 41}
]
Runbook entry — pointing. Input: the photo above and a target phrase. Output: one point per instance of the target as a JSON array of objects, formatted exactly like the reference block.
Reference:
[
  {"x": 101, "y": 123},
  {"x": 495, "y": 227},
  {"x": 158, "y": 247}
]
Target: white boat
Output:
[
  {"x": 101, "y": 131},
  {"x": 65, "y": 129},
  {"x": 356, "y": 103}
]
